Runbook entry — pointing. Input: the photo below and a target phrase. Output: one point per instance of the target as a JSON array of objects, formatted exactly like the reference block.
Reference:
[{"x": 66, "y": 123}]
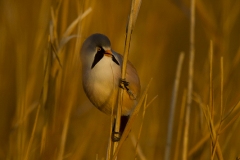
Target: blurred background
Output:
[{"x": 44, "y": 111}]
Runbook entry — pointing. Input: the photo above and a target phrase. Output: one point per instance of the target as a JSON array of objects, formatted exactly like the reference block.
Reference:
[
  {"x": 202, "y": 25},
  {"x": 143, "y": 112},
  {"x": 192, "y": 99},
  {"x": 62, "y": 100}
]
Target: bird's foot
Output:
[
  {"x": 125, "y": 85},
  {"x": 116, "y": 136}
]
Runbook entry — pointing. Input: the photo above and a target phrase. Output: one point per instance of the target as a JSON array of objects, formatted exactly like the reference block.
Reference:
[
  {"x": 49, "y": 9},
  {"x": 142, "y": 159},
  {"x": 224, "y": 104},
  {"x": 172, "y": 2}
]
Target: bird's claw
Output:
[
  {"x": 125, "y": 85},
  {"x": 116, "y": 136}
]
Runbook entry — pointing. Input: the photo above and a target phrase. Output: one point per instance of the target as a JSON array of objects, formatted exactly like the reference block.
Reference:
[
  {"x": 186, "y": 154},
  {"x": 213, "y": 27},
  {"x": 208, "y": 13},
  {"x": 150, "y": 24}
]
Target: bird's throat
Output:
[{"x": 99, "y": 56}]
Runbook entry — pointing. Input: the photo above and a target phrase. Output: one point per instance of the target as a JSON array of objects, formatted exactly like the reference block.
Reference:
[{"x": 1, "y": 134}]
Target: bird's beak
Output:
[{"x": 108, "y": 53}]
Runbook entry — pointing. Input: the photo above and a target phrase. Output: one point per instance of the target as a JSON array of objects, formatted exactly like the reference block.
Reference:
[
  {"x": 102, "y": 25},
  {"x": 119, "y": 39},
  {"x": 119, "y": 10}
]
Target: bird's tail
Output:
[{"x": 124, "y": 121}]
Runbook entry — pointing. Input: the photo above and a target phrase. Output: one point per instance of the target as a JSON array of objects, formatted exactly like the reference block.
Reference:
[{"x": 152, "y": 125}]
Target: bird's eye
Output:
[{"x": 99, "y": 49}]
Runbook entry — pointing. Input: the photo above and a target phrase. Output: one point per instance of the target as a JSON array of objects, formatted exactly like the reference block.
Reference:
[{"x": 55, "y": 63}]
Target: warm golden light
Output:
[{"x": 45, "y": 113}]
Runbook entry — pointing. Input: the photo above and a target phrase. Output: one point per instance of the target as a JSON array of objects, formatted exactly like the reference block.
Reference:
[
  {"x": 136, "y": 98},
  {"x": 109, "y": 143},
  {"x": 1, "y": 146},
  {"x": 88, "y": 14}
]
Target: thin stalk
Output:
[
  {"x": 190, "y": 79},
  {"x": 140, "y": 130},
  {"x": 221, "y": 105},
  {"x": 173, "y": 106},
  {"x": 213, "y": 134},
  {"x": 131, "y": 120},
  {"x": 135, "y": 6},
  {"x": 33, "y": 133},
  {"x": 180, "y": 125},
  {"x": 211, "y": 79},
  {"x": 64, "y": 133},
  {"x": 202, "y": 141},
  {"x": 139, "y": 150}
]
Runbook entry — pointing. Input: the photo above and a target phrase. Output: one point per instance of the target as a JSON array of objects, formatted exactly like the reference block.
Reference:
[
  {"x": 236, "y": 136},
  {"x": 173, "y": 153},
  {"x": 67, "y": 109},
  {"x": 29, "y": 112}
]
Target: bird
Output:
[{"x": 101, "y": 77}]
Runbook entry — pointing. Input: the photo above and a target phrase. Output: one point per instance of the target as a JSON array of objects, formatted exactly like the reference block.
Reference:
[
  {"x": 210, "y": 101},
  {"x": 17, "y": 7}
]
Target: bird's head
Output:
[{"x": 94, "y": 48}]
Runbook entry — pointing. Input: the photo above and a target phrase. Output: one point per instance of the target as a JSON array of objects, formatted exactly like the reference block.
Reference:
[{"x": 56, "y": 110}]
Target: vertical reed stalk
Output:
[
  {"x": 140, "y": 130},
  {"x": 211, "y": 79},
  {"x": 172, "y": 107},
  {"x": 180, "y": 125},
  {"x": 135, "y": 6},
  {"x": 190, "y": 79}
]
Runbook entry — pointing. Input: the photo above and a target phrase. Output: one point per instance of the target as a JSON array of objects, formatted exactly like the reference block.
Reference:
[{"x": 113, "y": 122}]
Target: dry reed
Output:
[{"x": 45, "y": 114}]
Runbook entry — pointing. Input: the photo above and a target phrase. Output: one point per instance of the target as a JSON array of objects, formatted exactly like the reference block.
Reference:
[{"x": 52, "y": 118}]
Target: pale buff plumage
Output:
[{"x": 101, "y": 74}]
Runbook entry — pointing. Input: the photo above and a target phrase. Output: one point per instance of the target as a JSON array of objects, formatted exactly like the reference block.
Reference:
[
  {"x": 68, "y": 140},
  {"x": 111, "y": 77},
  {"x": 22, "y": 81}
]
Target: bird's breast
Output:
[{"x": 101, "y": 83}]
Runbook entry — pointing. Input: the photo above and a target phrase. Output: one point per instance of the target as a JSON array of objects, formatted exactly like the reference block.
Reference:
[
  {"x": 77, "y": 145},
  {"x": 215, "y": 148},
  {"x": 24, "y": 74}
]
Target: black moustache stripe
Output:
[
  {"x": 115, "y": 60},
  {"x": 99, "y": 56}
]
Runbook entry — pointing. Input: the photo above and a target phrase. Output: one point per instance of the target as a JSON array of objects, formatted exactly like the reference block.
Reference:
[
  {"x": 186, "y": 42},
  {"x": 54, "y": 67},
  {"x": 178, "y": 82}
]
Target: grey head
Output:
[{"x": 94, "y": 48}]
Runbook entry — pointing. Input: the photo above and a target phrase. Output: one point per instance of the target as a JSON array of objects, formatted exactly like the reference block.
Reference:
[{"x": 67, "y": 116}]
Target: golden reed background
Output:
[{"x": 34, "y": 83}]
